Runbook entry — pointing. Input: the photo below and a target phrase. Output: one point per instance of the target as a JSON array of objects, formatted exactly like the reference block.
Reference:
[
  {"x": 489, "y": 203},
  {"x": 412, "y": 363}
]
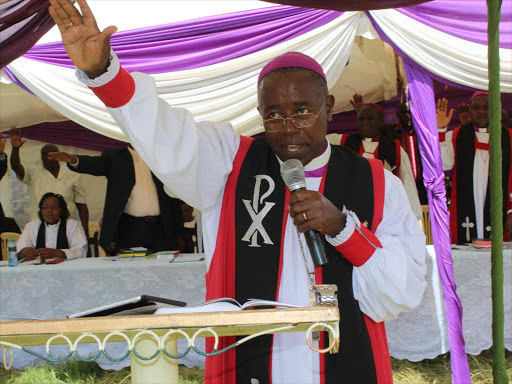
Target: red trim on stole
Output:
[
  {"x": 118, "y": 91},
  {"x": 220, "y": 278},
  {"x": 343, "y": 139},
  {"x": 377, "y": 331},
  {"x": 398, "y": 156},
  {"x": 453, "y": 198},
  {"x": 283, "y": 230}
]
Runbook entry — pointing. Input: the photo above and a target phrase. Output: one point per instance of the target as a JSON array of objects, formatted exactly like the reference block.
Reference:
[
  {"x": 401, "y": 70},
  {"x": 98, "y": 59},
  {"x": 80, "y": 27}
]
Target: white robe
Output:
[
  {"x": 480, "y": 172},
  {"x": 194, "y": 159},
  {"x": 404, "y": 173}
]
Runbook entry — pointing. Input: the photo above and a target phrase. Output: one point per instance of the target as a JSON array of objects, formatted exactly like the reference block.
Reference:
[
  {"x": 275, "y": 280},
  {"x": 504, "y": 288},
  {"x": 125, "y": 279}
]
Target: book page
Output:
[
  {"x": 211, "y": 307},
  {"x": 267, "y": 303}
]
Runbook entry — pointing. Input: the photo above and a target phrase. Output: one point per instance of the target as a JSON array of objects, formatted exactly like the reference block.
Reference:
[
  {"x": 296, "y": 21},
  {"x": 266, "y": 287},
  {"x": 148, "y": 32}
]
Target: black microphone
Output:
[{"x": 292, "y": 172}]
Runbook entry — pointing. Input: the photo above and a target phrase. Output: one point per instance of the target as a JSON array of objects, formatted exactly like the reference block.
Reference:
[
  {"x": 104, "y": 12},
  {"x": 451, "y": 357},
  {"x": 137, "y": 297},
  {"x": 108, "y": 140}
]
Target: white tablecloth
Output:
[
  {"x": 54, "y": 291},
  {"x": 422, "y": 334}
]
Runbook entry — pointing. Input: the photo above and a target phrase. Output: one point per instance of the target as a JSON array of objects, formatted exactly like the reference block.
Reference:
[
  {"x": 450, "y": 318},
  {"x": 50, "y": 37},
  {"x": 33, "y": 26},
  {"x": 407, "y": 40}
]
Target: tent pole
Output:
[{"x": 495, "y": 180}]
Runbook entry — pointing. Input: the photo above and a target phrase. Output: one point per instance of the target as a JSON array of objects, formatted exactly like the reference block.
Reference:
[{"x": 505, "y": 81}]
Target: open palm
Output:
[{"x": 86, "y": 45}]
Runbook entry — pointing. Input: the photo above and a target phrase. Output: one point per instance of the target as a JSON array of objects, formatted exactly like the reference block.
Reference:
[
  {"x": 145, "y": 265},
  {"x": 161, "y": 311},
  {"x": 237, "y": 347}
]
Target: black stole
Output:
[
  {"x": 258, "y": 263},
  {"x": 387, "y": 148},
  {"x": 62, "y": 238},
  {"x": 464, "y": 193}
]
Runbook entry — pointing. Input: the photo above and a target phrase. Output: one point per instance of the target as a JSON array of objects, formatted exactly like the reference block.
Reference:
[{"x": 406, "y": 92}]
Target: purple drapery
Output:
[
  {"x": 70, "y": 133},
  {"x": 424, "y": 116},
  {"x": 200, "y": 42},
  {"x": 350, "y": 5},
  {"x": 468, "y": 21},
  {"x": 21, "y": 26},
  {"x": 421, "y": 84}
]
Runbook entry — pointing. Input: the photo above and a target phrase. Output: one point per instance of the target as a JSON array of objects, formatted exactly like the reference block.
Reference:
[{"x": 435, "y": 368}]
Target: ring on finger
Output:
[
  {"x": 304, "y": 215},
  {"x": 68, "y": 25}
]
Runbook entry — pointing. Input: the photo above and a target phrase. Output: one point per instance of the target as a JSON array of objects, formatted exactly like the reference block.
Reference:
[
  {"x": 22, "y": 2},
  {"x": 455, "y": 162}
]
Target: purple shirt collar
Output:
[{"x": 320, "y": 171}]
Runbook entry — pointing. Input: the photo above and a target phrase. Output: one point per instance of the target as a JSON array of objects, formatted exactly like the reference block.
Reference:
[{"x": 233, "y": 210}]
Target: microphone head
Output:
[{"x": 292, "y": 172}]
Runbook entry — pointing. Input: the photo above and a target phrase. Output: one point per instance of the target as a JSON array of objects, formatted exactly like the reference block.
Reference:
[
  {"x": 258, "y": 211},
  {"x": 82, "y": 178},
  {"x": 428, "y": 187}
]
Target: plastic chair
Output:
[
  {"x": 4, "y": 238},
  {"x": 93, "y": 227}
]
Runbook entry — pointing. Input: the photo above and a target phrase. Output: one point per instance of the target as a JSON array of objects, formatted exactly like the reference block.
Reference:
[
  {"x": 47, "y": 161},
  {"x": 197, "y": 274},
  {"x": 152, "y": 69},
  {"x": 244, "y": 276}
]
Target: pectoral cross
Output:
[{"x": 467, "y": 224}]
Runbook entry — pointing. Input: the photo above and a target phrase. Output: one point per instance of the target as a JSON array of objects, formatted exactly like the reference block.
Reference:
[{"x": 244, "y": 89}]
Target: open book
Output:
[
  {"x": 225, "y": 304},
  {"x": 140, "y": 305}
]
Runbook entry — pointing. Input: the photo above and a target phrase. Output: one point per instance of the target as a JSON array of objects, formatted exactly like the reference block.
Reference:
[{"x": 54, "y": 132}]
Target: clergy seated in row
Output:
[
  {"x": 55, "y": 235},
  {"x": 465, "y": 150},
  {"x": 372, "y": 143}
]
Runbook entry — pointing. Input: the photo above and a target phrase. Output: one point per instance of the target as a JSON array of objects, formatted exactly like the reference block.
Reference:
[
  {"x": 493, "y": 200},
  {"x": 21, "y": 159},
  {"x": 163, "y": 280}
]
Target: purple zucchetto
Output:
[{"x": 292, "y": 60}]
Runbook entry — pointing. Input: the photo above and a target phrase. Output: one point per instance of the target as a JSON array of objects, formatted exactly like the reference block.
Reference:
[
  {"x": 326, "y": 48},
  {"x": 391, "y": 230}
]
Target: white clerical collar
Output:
[
  {"x": 368, "y": 139},
  {"x": 52, "y": 225},
  {"x": 483, "y": 130},
  {"x": 320, "y": 161}
]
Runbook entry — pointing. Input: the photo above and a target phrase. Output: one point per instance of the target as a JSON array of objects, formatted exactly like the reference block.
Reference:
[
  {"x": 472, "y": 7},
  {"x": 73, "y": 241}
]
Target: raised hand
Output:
[
  {"x": 16, "y": 140},
  {"x": 357, "y": 102},
  {"x": 86, "y": 45},
  {"x": 464, "y": 115},
  {"x": 62, "y": 157},
  {"x": 442, "y": 114}
]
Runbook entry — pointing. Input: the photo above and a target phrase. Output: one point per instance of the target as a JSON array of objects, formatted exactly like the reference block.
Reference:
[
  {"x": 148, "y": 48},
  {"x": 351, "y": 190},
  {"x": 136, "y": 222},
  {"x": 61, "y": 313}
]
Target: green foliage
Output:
[{"x": 436, "y": 371}]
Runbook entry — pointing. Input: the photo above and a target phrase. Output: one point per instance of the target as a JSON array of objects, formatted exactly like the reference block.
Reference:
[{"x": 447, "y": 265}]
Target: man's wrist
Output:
[{"x": 73, "y": 160}]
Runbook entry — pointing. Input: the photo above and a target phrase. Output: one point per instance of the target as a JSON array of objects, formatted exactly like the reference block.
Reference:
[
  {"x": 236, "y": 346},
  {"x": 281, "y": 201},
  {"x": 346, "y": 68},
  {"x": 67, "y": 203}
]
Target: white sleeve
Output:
[
  {"x": 447, "y": 153},
  {"x": 77, "y": 240},
  {"x": 409, "y": 183},
  {"x": 191, "y": 159},
  {"x": 392, "y": 280},
  {"x": 28, "y": 236}
]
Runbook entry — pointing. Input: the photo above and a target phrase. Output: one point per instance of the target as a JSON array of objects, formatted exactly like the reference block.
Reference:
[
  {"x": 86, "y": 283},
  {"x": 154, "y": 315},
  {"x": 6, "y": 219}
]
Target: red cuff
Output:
[
  {"x": 358, "y": 248},
  {"x": 116, "y": 92},
  {"x": 442, "y": 137}
]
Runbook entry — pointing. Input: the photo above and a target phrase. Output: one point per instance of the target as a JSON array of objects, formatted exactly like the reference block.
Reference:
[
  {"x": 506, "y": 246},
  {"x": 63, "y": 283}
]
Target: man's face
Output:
[
  {"x": 49, "y": 164},
  {"x": 51, "y": 210},
  {"x": 479, "y": 111},
  {"x": 404, "y": 115},
  {"x": 369, "y": 122},
  {"x": 293, "y": 93}
]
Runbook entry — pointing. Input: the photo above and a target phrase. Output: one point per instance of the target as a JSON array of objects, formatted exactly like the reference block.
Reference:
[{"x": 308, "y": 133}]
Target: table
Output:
[
  {"x": 53, "y": 291},
  {"x": 422, "y": 333}
]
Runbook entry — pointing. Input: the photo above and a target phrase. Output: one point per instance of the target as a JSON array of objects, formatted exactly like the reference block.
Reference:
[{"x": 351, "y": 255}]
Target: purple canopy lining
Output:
[
  {"x": 466, "y": 20},
  {"x": 350, "y": 5},
  {"x": 201, "y": 42},
  {"x": 24, "y": 25}
]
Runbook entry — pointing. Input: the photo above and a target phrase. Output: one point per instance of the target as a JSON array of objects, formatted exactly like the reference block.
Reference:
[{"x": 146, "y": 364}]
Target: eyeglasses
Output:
[
  {"x": 299, "y": 121},
  {"x": 47, "y": 207}
]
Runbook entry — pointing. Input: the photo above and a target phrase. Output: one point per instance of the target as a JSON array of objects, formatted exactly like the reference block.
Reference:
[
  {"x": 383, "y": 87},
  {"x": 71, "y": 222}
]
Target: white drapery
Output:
[{"x": 227, "y": 91}]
